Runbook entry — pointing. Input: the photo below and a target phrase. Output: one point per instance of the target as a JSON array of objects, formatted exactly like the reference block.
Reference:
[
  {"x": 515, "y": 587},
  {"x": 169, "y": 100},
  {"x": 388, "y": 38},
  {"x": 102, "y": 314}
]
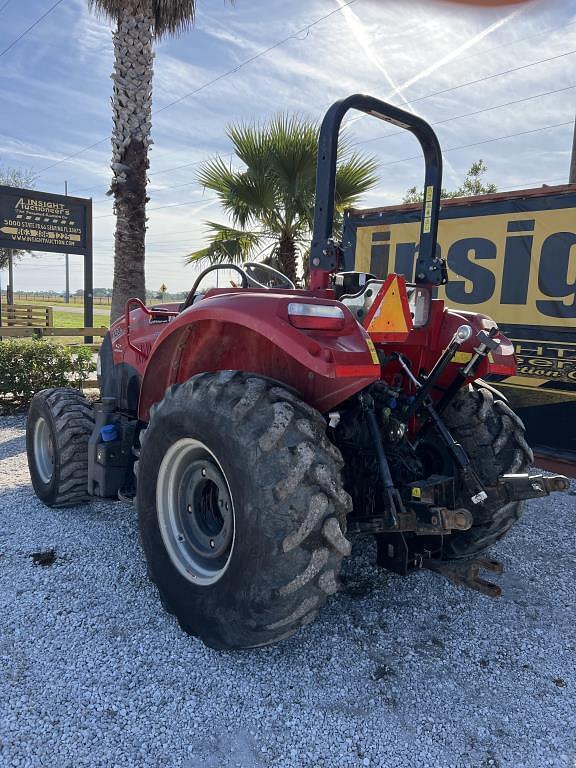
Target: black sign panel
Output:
[{"x": 37, "y": 221}]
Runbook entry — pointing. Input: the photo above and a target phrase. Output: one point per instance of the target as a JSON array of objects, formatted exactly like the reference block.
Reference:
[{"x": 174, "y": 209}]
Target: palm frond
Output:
[
  {"x": 171, "y": 17},
  {"x": 272, "y": 197},
  {"x": 293, "y": 142},
  {"x": 248, "y": 140},
  {"x": 354, "y": 176},
  {"x": 217, "y": 175},
  {"x": 245, "y": 196},
  {"x": 226, "y": 244},
  {"x": 251, "y": 197}
]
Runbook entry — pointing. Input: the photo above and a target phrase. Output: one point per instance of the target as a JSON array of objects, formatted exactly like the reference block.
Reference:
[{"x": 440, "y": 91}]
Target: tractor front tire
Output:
[
  {"x": 494, "y": 438},
  {"x": 60, "y": 422},
  {"x": 241, "y": 508}
]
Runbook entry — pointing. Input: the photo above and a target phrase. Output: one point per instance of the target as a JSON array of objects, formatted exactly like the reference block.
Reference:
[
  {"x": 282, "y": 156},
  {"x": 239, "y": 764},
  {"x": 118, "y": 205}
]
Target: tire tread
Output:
[{"x": 298, "y": 471}]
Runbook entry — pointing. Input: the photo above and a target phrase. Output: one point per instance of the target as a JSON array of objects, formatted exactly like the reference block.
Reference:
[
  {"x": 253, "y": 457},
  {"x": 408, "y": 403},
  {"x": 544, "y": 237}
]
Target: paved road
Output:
[{"x": 395, "y": 673}]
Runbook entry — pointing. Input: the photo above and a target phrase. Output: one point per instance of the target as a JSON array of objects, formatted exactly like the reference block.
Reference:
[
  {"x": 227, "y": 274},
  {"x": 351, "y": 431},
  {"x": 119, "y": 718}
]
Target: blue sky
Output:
[{"x": 55, "y": 101}]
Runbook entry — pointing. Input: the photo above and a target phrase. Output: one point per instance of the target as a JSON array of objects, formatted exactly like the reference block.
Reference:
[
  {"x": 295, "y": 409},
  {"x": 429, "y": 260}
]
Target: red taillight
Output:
[{"x": 323, "y": 317}]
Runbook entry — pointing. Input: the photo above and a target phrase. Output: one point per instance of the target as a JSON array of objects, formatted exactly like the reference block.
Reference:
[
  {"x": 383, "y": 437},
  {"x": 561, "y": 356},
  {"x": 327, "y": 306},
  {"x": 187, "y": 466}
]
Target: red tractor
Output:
[{"x": 260, "y": 427}]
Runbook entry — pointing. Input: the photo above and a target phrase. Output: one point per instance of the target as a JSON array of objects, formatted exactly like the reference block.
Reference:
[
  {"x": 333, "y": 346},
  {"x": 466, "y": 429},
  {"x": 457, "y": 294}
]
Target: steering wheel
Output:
[
  {"x": 192, "y": 292},
  {"x": 263, "y": 276}
]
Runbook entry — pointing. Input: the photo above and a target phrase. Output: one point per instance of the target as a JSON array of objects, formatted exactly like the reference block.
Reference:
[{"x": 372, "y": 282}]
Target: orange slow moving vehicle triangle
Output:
[{"x": 389, "y": 319}]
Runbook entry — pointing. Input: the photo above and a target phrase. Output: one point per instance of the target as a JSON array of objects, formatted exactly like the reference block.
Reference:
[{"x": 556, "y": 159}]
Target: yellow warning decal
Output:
[
  {"x": 373, "y": 353},
  {"x": 416, "y": 493},
  {"x": 390, "y": 313},
  {"x": 462, "y": 357},
  {"x": 427, "y": 222}
]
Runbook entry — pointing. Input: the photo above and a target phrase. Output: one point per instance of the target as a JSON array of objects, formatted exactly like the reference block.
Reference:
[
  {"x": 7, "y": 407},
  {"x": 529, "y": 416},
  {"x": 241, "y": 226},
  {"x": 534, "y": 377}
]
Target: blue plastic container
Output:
[{"x": 108, "y": 433}]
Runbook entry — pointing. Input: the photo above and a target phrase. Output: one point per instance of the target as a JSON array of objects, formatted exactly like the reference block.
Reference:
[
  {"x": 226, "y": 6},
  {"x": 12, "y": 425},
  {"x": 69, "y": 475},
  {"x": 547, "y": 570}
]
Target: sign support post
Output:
[{"x": 88, "y": 275}]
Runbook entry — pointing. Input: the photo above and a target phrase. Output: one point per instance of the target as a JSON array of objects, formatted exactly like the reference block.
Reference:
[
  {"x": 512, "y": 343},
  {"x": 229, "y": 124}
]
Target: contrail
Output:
[
  {"x": 399, "y": 90},
  {"x": 357, "y": 28}
]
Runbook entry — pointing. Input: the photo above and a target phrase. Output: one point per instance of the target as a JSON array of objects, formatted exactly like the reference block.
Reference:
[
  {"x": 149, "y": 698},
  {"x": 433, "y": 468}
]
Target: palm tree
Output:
[
  {"x": 138, "y": 24},
  {"x": 270, "y": 201}
]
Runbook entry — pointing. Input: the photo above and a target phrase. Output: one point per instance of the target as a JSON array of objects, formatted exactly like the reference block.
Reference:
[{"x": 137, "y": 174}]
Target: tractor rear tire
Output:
[
  {"x": 60, "y": 422},
  {"x": 495, "y": 439},
  {"x": 241, "y": 508}
]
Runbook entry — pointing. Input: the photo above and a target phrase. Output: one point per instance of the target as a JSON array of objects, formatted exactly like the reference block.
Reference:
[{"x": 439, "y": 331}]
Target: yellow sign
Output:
[
  {"x": 513, "y": 259},
  {"x": 511, "y": 256},
  {"x": 519, "y": 268}
]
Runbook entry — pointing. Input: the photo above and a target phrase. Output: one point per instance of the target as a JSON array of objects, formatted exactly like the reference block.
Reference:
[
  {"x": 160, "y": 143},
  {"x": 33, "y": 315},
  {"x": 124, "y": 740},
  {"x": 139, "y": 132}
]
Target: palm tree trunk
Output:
[
  {"x": 287, "y": 257},
  {"x": 132, "y": 116}
]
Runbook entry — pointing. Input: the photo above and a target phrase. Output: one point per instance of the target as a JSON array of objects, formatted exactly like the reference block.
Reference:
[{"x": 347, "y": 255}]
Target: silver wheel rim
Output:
[
  {"x": 195, "y": 511},
  {"x": 43, "y": 450}
]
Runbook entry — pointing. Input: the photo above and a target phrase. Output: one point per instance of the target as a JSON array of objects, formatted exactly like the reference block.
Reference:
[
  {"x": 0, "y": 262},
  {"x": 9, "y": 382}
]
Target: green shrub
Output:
[{"x": 26, "y": 367}]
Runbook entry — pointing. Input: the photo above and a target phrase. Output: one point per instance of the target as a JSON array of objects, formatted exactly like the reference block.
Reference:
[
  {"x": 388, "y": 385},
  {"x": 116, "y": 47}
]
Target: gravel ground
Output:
[{"x": 396, "y": 672}]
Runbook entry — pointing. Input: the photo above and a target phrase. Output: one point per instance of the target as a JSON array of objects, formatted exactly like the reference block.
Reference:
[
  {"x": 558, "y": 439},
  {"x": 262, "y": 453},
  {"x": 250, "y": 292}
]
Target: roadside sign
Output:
[{"x": 39, "y": 221}]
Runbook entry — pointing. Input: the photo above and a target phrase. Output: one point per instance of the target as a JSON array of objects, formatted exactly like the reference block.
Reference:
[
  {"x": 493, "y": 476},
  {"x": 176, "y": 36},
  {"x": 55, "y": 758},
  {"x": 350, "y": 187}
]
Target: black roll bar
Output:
[{"x": 430, "y": 269}]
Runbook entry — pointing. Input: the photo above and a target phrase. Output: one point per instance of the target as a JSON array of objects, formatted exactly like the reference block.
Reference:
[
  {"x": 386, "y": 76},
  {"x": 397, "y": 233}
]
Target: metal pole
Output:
[
  {"x": 67, "y": 294},
  {"x": 572, "y": 177},
  {"x": 88, "y": 275},
  {"x": 10, "y": 286}
]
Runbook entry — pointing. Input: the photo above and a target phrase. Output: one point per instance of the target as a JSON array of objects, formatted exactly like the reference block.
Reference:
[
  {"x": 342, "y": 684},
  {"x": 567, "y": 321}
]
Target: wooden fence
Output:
[
  {"x": 17, "y": 315},
  {"x": 43, "y": 332}
]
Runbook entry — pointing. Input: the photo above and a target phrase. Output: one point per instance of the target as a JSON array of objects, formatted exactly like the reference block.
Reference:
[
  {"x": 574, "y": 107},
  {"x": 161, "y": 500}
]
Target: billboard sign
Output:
[
  {"x": 36, "y": 221},
  {"x": 39, "y": 221}
]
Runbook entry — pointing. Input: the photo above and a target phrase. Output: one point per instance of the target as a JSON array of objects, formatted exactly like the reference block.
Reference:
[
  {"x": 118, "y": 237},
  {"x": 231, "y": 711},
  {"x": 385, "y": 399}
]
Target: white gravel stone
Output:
[{"x": 395, "y": 672}]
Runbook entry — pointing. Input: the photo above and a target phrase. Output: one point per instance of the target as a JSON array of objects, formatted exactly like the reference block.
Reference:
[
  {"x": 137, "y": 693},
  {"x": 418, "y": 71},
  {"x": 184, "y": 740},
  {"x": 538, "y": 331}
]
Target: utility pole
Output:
[
  {"x": 67, "y": 294},
  {"x": 572, "y": 177},
  {"x": 10, "y": 286}
]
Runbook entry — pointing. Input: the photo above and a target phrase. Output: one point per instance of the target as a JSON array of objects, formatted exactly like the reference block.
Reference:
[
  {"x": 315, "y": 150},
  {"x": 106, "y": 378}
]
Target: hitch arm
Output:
[
  {"x": 521, "y": 487},
  {"x": 466, "y": 573}
]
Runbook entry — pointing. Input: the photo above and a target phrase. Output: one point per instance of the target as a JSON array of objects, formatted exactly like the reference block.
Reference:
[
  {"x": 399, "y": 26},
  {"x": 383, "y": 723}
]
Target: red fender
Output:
[
  {"x": 251, "y": 331},
  {"x": 424, "y": 345}
]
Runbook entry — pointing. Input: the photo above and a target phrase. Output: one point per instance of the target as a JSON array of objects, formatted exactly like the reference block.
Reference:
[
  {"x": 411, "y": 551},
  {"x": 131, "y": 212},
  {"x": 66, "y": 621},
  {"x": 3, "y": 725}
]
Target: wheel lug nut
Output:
[
  {"x": 212, "y": 545},
  {"x": 189, "y": 508},
  {"x": 203, "y": 473}
]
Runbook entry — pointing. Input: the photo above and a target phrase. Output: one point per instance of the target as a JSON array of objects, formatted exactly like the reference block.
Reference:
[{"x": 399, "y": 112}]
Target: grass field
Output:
[
  {"x": 40, "y": 302},
  {"x": 76, "y": 320}
]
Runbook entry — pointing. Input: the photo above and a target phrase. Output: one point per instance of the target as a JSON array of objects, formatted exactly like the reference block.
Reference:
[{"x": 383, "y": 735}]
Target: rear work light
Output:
[{"x": 322, "y": 317}]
